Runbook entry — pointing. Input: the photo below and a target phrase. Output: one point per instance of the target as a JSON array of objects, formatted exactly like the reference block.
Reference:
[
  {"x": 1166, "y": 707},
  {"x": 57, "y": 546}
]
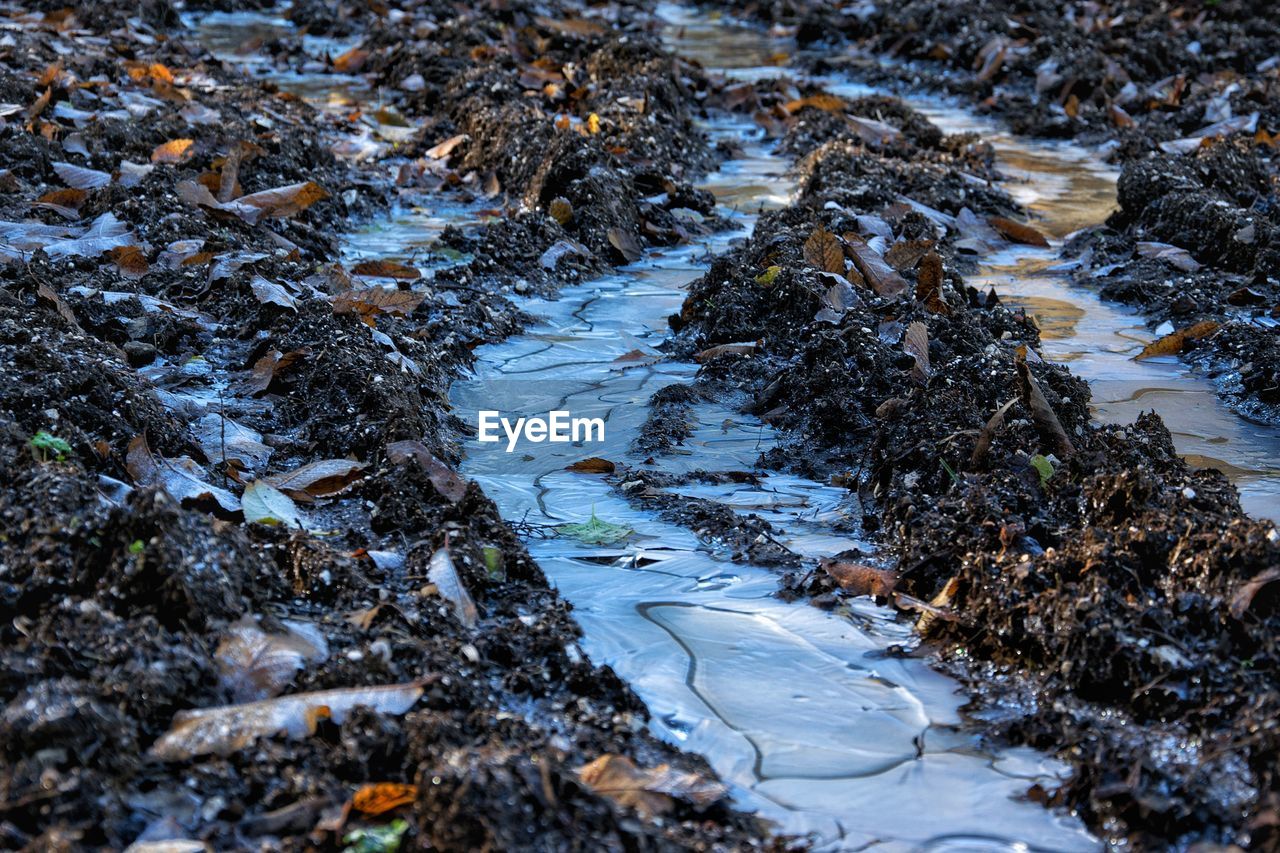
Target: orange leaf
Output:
[
  {"x": 351, "y": 61},
  {"x": 823, "y": 251},
  {"x": 386, "y": 269},
  {"x": 1018, "y": 232},
  {"x": 592, "y": 465},
  {"x": 820, "y": 101},
  {"x": 1176, "y": 342},
  {"x": 174, "y": 151},
  {"x": 129, "y": 260},
  {"x": 376, "y": 798}
]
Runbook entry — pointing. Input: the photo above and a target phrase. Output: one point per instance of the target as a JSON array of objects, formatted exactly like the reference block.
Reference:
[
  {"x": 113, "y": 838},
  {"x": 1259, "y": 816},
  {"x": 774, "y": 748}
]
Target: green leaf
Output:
[
  {"x": 766, "y": 278},
  {"x": 377, "y": 839},
  {"x": 47, "y": 443},
  {"x": 136, "y": 546},
  {"x": 1043, "y": 467},
  {"x": 493, "y": 563},
  {"x": 264, "y": 504},
  {"x": 595, "y": 531}
]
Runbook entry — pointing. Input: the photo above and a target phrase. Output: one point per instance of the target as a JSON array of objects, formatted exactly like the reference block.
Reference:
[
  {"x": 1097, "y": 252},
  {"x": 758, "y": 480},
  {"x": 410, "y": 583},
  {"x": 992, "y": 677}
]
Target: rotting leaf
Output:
[
  {"x": 255, "y": 665},
  {"x": 375, "y": 798},
  {"x": 651, "y": 792},
  {"x": 881, "y": 277},
  {"x": 278, "y": 203},
  {"x": 1018, "y": 232},
  {"x": 229, "y": 728},
  {"x": 319, "y": 479},
  {"x": 265, "y": 504},
  {"x": 444, "y": 574},
  {"x": 915, "y": 343},
  {"x": 625, "y": 243},
  {"x": 592, "y": 465},
  {"x": 1176, "y": 342},
  {"x": 1042, "y": 413},
  {"x": 929, "y": 284},
  {"x": 860, "y": 579},
  {"x": 823, "y": 251},
  {"x": 445, "y": 480},
  {"x": 182, "y": 478},
  {"x": 174, "y": 152},
  {"x": 596, "y": 531},
  {"x": 372, "y": 301}
]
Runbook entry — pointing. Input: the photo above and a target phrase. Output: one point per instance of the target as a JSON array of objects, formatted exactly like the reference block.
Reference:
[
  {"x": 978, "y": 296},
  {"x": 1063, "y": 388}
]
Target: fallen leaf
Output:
[
  {"x": 182, "y": 478},
  {"x": 929, "y": 284},
  {"x": 988, "y": 433},
  {"x": 19, "y": 239},
  {"x": 823, "y": 251},
  {"x": 370, "y": 302},
  {"x": 625, "y": 243},
  {"x": 859, "y": 579},
  {"x": 444, "y": 574},
  {"x": 1042, "y": 413},
  {"x": 1242, "y": 601},
  {"x": 323, "y": 478},
  {"x": 65, "y": 202},
  {"x": 1176, "y": 342},
  {"x": 712, "y": 353},
  {"x": 596, "y": 531},
  {"x": 268, "y": 368},
  {"x": 81, "y": 178},
  {"x": 386, "y": 269},
  {"x": 561, "y": 210},
  {"x": 1018, "y": 232},
  {"x": 938, "y": 608},
  {"x": 174, "y": 152},
  {"x": 283, "y": 202},
  {"x": 446, "y": 482},
  {"x": 229, "y": 728},
  {"x": 821, "y": 101},
  {"x": 651, "y": 792},
  {"x": 271, "y": 293},
  {"x": 1174, "y": 255},
  {"x": 265, "y": 504},
  {"x": 223, "y": 440},
  {"x": 444, "y": 149},
  {"x": 592, "y": 465},
  {"x": 130, "y": 261},
  {"x": 881, "y": 277},
  {"x": 255, "y": 665},
  {"x": 915, "y": 343},
  {"x": 351, "y": 61},
  {"x": 48, "y": 294},
  {"x": 377, "y": 798}
]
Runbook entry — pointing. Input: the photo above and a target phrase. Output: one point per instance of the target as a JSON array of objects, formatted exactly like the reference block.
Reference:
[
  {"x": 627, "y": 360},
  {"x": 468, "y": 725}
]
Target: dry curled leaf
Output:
[
  {"x": 254, "y": 664},
  {"x": 320, "y": 479},
  {"x": 821, "y": 101},
  {"x": 1176, "y": 342},
  {"x": 988, "y": 433},
  {"x": 929, "y": 284},
  {"x": 351, "y": 61},
  {"x": 444, "y": 574},
  {"x": 626, "y": 244},
  {"x": 182, "y": 478},
  {"x": 1243, "y": 600},
  {"x": 387, "y": 269},
  {"x": 129, "y": 260},
  {"x": 915, "y": 343},
  {"x": 442, "y": 150},
  {"x": 1046, "y": 420},
  {"x": 823, "y": 251},
  {"x": 370, "y": 302}
]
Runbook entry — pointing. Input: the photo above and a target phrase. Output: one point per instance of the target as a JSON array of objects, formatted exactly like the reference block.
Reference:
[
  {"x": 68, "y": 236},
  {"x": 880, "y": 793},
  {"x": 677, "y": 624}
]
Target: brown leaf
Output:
[
  {"x": 712, "y": 353},
  {"x": 322, "y": 478},
  {"x": 372, "y": 301},
  {"x": 1176, "y": 342},
  {"x": 182, "y": 478},
  {"x": 1018, "y": 232},
  {"x": 821, "y": 101},
  {"x": 592, "y": 465},
  {"x": 1242, "y": 601},
  {"x": 650, "y": 792},
  {"x": 1119, "y": 117},
  {"x": 444, "y": 149},
  {"x": 351, "y": 61},
  {"x": 254, "y": 665},
  {"x": 283, "y": 202},
  {"x": 446, "y": 482},
  {"x": 386, "y": 269},
  {"x": 561, "y": 210},
  {"x": 129, "y": 260},
  {"x": 906, "y": 254},
  {"x": 174, "y": 152},
  {"x": 859, "y": 579},
  {"x": 268, "y": 368},
  {"x": 1176, "y": 256},
  {"x": 48, "y": 294},
  {"x": 823, "y": 251},
  {"x": 881, "y": 277},
  {"x": 66, "y": 202},
  {"x": 1042, "y": 413},
  {"x": 626, "y": 244},
  {"x": 929, "y": 284},
  {"x": 915, "y": 343},
  {"x": 230, "y": 728},
  {"x": 377, "y": 798},
  {"x": 988, "y": 434}
]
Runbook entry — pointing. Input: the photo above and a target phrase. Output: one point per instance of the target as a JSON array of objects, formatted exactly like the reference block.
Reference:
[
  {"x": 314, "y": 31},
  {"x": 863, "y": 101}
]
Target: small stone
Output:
[{"x": 139, "y": 354}]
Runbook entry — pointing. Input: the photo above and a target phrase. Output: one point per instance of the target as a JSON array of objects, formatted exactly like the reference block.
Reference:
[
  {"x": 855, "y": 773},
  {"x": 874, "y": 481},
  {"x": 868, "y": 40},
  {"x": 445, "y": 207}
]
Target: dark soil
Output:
[
  {"x": 1103, "y": 600},
  {"x": 116, "y": 594},
  {"x": 1142, "y": 80}
]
